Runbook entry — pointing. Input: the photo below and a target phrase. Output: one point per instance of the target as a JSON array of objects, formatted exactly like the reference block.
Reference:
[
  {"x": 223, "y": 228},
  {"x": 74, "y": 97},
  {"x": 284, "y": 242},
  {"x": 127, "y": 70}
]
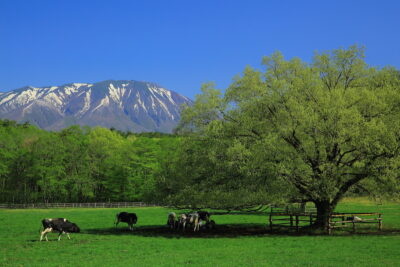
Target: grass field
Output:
[{"x": 239, "y": 240}]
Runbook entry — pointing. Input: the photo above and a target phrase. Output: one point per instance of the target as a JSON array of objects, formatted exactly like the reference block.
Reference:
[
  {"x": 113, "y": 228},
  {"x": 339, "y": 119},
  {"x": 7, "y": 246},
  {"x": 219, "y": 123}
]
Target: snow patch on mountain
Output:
[
  {"x": 86, "y": 105},
  {"x": 124, "y": 105},
  {"x": 103, "y": 103},
  {"x": 7, "y": 98}
]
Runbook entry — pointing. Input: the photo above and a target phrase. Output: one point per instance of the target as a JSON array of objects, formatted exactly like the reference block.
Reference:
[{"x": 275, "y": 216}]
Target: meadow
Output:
[{"x": 239, "y": 240}]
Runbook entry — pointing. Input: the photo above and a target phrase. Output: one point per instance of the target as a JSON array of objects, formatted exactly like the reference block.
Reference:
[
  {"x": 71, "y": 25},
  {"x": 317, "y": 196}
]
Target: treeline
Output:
[{"x": 79, "y": 164}]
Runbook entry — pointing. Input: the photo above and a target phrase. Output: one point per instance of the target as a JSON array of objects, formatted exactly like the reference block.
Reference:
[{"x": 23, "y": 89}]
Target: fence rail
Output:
[
  {"x": 339, "y": 220},
  {"x": 77, "y": 205}
]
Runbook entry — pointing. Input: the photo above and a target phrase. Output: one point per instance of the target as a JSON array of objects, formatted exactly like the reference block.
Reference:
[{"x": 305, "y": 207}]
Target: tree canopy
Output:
[
  {"x": 296, "y": 130},
  {"x": 79, "y": 165}
]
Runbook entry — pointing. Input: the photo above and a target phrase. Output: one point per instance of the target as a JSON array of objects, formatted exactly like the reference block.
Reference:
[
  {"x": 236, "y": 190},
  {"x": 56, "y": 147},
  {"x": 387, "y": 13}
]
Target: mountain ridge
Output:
[{"x": 126, "y": 105}]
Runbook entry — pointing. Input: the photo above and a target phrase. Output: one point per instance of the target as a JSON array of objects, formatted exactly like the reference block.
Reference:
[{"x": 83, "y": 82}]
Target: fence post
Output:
[
  {"x": 329, "y": 225},
  {"x": 270, "y": 221},
  {"x": 380, "y": 222},
  {"x": 297, "y": 223}
]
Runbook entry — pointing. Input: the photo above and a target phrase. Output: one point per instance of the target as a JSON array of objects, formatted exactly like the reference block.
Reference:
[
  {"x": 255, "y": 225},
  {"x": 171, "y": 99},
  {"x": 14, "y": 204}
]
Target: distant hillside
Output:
[{"x": 124, "y": 105}]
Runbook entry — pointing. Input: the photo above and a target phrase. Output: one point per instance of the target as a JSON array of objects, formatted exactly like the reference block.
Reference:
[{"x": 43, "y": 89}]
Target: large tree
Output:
[{"x": 323, "y": 128}]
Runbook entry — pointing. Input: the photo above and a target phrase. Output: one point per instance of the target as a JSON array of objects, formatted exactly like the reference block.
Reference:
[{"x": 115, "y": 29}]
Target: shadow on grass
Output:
[{"x": 233, "y": 231}]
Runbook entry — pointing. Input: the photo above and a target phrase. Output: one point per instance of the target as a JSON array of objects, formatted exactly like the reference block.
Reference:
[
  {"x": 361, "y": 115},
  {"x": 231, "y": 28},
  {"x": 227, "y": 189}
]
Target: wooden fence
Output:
[
  {"x": 294, "y": 216},
  {"x": 338, "y": 220},
  {"x": 77, "y": 205},
  {"x": 297, "y": 218}
]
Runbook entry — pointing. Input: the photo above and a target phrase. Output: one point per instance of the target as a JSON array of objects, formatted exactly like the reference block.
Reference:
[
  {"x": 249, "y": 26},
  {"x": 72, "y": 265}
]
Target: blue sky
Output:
[{"x": 181, "y": 44}]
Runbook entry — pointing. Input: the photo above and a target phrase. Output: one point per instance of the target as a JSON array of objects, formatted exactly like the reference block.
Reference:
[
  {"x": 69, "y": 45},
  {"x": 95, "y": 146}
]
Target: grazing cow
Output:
[
  {"x": 182, "y": 221},
  {"x": 172, "y": 222},
  {"x": 194, "y": 220},
  {"x": 191, "y": 219},
  {"x": 129, "y": 218},
  {"x": 204, "y": 216},
  {"x": 61, "y": 225}
]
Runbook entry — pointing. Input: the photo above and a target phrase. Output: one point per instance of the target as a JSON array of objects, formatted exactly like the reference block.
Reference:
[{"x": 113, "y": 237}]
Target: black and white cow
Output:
[
  {"x": 182, "y": 221},
  {"x": 194, "y": 220},
  {"x": 60, "y": 225},
  {"x": 204, "y": 216},
  {"x": 129, "y": 218},
  {"x": 191, "y": 219},
  {"x": 172, "y": 220}
]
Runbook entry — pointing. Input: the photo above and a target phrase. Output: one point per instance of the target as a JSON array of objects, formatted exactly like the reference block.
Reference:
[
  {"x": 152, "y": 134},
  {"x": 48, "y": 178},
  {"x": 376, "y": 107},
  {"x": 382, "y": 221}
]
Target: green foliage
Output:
[
  {"x": 313, "y": 131},
  {"x": 78, "y": 165}
]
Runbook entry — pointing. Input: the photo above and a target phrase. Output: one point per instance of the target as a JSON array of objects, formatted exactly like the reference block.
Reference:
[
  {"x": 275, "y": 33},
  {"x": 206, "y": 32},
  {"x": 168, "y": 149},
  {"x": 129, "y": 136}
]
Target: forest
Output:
[{"x": 79, "y": 164}]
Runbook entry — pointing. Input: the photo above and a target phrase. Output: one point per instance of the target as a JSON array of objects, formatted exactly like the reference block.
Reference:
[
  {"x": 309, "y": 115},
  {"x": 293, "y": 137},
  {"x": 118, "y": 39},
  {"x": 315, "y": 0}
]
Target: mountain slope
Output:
[{"x": 125, "y": 105}]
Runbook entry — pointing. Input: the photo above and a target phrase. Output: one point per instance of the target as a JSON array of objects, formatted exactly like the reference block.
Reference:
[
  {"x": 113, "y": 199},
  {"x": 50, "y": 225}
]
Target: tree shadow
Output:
[
  {"x": 233, "y": 231},
  {"x": 255, "y": 213}
]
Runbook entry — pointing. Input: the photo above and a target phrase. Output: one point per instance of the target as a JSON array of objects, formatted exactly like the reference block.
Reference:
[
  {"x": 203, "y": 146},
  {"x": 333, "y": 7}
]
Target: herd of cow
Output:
[{"x": 195, "y": 220}]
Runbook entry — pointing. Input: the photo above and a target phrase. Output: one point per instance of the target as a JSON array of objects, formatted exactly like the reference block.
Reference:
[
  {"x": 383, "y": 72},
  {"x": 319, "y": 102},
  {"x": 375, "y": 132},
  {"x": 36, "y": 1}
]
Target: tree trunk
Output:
[{"x": 324, "y": 210}]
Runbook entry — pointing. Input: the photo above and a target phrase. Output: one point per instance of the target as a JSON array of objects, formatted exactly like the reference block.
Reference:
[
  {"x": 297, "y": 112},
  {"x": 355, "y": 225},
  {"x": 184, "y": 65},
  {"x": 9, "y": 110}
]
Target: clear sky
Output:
[{"x": 181, "y": 44}]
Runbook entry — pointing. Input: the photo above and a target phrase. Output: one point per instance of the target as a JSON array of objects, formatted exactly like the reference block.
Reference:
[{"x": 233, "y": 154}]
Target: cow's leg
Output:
[
  {"x": 44, "y": 233},
  {"x": 59, "y": 235},
  {"x": 48, "y": 230},
  {"x": 68, "y": 236},
  {"x": 196, "y": 224}
]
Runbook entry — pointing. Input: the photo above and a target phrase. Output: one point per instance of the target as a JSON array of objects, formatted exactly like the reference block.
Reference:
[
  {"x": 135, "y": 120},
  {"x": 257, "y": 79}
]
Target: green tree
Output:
[
  {"x": 316, "y": 130},
  {"x": 79, "y": 183},
  {"x": 48, "y": 168}
]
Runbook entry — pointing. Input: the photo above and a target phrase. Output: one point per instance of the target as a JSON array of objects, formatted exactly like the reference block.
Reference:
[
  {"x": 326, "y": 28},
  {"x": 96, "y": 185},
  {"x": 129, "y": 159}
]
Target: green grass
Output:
[{"x": 239, "y": 240}]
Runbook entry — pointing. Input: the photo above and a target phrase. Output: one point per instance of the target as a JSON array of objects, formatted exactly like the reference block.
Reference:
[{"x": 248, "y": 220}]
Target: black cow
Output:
[
  {"x": 204, "y": 215},
  {"x": 129, "y": 218},
  {"x": 61, "y": 225}
]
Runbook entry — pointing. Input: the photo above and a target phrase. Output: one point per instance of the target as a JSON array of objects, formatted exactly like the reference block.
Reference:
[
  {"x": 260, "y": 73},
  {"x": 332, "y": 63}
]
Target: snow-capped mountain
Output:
[{"x": 125, "y": 105}]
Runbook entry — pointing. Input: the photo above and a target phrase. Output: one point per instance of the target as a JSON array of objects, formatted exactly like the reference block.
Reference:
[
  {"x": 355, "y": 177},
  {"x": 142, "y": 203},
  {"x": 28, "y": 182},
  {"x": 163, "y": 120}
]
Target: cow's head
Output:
[
  {"x": 182, "y": 218},
  {"x": 74, "y": 228}
]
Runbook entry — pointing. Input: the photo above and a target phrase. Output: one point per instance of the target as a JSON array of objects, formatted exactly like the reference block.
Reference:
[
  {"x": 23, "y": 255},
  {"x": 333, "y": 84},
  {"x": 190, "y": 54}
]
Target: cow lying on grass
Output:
[
  {"x": 354, "y": 219},
  {"x": 129, "y": 218},
  {"x": 61, "y": 225}
]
